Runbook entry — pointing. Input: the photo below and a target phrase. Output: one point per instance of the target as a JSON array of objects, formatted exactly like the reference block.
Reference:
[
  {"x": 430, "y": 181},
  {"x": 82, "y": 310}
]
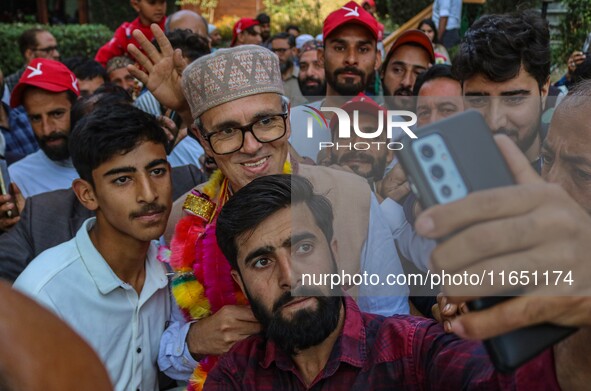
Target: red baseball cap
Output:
[
  {"x": 371, "y": 3},
  {"x": 362, "y": 103},
  {"x": 350, "y": 13},
  {"x": 413, "y": 36},
  {"x": 46, "y": 74},
  {"x": 242, "y": 25}
]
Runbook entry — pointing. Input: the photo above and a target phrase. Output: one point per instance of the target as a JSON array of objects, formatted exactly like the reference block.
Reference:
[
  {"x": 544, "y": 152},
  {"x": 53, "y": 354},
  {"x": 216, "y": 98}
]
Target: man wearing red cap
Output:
[
  {"x": 246, "y": 31},
  {"x": 47, "y": 90},
  {"x": 350, "y": 58},
  {"x": 410, "y": 55}
]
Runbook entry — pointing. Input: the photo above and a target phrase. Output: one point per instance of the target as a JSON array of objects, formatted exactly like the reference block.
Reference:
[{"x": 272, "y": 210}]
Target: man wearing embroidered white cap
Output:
[{"x": 236, "y": 99}]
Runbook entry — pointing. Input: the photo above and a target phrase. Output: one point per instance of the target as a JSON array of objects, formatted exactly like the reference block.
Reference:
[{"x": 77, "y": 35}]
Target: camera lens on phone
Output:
[
  {"x": 446, "y": 191},
  {"x": 427, "y": 151},
  {"x": 437, "y": 171}
]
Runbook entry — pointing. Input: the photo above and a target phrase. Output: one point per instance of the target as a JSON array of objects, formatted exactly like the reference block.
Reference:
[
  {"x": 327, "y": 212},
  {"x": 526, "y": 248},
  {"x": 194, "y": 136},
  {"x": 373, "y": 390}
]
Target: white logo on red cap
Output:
[
  {"x": 35, "y": 71},
  {"x": 352, "y": 12},
  {"x": 74, "y": 82}
]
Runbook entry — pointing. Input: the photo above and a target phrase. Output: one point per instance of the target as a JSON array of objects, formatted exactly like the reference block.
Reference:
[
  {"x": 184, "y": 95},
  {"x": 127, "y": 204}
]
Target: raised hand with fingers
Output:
[{"x": 161, "y": 72}]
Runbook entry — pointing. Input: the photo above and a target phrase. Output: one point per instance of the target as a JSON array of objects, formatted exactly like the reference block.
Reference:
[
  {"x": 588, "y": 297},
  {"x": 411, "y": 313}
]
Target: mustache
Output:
[
  {"x": 152, "y": 208},
  {"x": 357, "y": 155},
  {"x": 53, "y": 137},
  {"x": 507, "y": 132},
  {"x": 403, "y": 91},
  {"x": 298, "y": 293},
  {"x": 352, "y": 70},
  {"x": 312, "y": 78}
]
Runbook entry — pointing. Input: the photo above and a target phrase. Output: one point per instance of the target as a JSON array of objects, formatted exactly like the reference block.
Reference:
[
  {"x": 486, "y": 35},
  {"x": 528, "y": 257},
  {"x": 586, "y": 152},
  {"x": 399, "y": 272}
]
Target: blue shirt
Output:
[
  {"x": 450, "y": 8},
  {"x": 37, "y": 174},
  {"x": 20, "y": 139}
]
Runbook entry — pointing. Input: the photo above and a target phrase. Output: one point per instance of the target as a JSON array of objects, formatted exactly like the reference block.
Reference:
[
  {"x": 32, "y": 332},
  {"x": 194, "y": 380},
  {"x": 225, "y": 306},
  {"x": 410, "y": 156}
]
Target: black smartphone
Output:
[
  {"x": 5, "y": 186},
  {"x": 448, "y": 160}
]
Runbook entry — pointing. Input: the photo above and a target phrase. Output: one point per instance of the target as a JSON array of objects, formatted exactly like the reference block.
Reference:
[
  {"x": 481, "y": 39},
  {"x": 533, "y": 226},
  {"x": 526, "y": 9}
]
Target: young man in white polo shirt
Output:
[{"x": 107, "y": 282}]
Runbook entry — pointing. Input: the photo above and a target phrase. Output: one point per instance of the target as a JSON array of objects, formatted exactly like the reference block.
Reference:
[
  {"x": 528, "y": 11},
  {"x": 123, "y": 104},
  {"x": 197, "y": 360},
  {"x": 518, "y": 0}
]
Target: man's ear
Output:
[
  {"x": 378, "y": 63},
  {"x": 29, "y": 55},
  {"x": 197, "y": 133},
  {"x": 236, "y": 276},
  {"x": 134, "y": 5},
  {"x": 320, "y": 53},
  {"x": 335, "y": 248},
  {"x": 544, "y": 92},
  {"x": 85, "y": 194}
]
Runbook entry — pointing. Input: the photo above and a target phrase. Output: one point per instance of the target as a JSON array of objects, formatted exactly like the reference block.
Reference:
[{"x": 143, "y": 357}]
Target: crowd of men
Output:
[{"x": 167, "y": 197}]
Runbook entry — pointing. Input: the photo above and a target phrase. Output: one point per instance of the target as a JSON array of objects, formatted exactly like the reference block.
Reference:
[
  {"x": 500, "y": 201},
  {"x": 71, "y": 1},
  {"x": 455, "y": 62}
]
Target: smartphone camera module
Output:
[
  {"x": 437, "y": 172},
  {"x": 439, "y": 169},
  {"x": 427, "y": 151}
]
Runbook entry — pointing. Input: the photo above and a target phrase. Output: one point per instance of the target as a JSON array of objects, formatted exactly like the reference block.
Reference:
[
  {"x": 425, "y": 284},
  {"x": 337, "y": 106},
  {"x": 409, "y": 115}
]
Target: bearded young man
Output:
[
  {"x": 274, "y": 232},
  {"x": 350, "y": 57}
]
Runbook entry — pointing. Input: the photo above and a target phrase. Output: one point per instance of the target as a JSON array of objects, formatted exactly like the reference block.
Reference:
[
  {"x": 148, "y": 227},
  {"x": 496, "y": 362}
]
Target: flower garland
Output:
[{"x": 203, "y": 283}]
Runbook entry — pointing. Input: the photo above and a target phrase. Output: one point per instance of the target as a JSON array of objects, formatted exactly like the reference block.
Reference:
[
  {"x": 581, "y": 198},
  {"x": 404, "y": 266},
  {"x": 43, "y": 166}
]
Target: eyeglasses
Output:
[
  {"x": 230, "y": 140},
  {"x": 47, "y": 50}
]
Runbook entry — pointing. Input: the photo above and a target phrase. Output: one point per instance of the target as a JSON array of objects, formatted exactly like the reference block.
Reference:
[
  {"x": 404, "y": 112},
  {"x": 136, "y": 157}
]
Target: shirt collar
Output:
[
  {"x": 350, "y": 347},
  {"x": 104, "y": 277}
]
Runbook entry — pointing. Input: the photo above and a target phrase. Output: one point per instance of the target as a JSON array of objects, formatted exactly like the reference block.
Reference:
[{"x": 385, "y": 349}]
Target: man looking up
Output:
[
  {"x": 110, "y": 270},
  {"x": 410, "y": 55},
  {"x": 242, "y": 121},
  {"x": 350, "y": 58}
]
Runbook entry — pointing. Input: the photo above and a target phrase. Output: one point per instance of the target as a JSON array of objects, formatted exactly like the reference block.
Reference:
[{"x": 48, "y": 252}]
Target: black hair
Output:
[
  {"x": 263, "y": 18},
  {"x": 108, "y": 131},
  {"x": 261, "y": 198},
  {"x": 290, "y": 38},
  {"x": 251, "y": 30},
  {"x": 105, "y": 95},
  {"x": 292, "y": 27},
  {"x": 438, "y": 71},
  {"x": 496, "y": 46},
  {"x": 192, "y": 45},
  {"x": 86, "y": 68},
  {"x": 430, "y": 23},
  {"x": 28, "y": 40},
  {"x": 582, "y": 71}
]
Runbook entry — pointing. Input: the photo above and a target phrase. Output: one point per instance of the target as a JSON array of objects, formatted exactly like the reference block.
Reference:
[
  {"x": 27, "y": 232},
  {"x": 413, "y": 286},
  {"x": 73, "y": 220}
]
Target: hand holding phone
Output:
[
  {"x": 10, "y": 195},
  {"x": 452, "y": 159}
]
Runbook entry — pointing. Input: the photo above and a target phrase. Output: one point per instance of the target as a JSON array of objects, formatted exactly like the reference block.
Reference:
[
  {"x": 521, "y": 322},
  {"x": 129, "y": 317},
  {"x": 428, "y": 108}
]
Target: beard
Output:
[
  {"x": 55, "y": 152},
  {"x": 318, "y": 89},
  {"x": 347, "y": 88},
  {"x": 286, "y": 66},
  {"x": 305, "y": 329},
  {"x": 378, "y": 166}
]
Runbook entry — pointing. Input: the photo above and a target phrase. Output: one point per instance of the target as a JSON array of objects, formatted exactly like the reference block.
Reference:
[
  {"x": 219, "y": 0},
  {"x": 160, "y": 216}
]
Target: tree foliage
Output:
[{"x": 73, "y": 40}]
